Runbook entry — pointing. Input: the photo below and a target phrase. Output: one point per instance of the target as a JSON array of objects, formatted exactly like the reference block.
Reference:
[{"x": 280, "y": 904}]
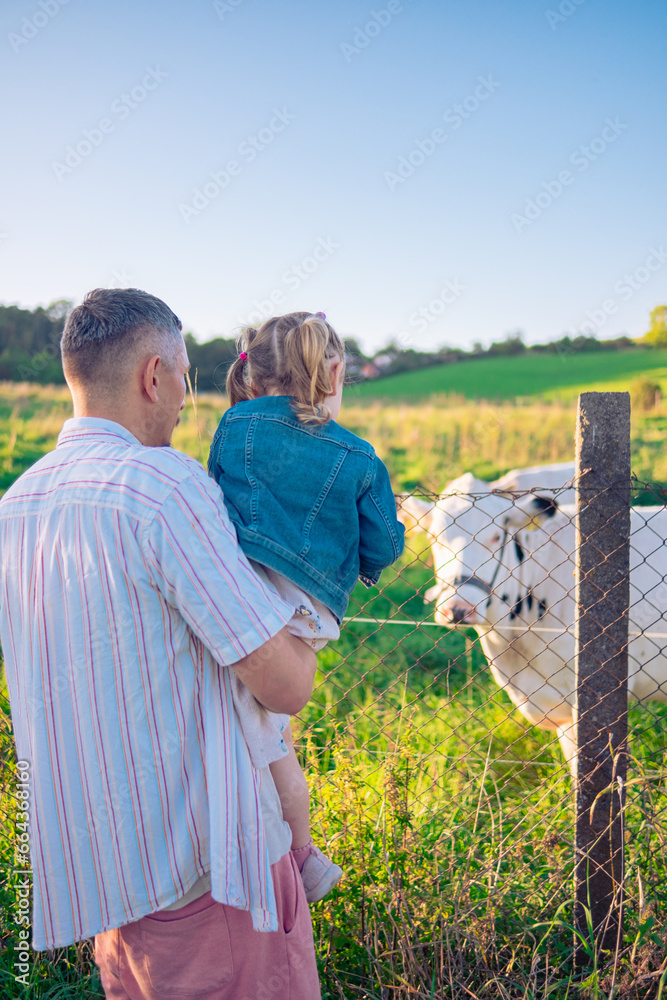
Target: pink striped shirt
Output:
[{"x": 123, "y": 599}]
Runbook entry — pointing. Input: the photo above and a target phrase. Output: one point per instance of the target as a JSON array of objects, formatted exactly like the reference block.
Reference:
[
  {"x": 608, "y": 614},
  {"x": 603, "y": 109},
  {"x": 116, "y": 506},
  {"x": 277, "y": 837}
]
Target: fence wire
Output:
[
  {"x": 439, "y": 749},
  {"x": 445, "y": 787}
]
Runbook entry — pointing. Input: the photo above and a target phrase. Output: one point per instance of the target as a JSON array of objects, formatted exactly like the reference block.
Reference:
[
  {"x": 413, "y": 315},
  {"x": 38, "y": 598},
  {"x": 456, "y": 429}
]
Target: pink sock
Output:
[{"x": 301, "y": 853}]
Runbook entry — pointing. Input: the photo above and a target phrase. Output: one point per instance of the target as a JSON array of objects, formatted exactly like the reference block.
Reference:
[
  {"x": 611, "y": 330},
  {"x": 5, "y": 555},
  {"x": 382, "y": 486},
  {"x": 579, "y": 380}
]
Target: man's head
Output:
[{"x": 124, "y": 358}]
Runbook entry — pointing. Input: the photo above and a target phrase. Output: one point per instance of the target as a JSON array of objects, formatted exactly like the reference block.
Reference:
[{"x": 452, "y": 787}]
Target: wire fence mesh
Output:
[
  {"x": 453, "y": 779},
  {"x": 439, "y": 749}
]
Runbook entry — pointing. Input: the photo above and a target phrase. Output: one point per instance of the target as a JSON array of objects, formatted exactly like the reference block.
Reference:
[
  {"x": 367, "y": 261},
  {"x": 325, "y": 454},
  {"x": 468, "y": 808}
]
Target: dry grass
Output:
[{"x": 423, "y": 444}]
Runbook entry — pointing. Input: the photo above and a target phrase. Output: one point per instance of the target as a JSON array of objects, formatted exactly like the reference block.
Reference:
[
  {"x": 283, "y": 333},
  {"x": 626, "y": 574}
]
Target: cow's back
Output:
[
  {"x": 550, "y": 569},
  {"x": 648, "y": 603}
]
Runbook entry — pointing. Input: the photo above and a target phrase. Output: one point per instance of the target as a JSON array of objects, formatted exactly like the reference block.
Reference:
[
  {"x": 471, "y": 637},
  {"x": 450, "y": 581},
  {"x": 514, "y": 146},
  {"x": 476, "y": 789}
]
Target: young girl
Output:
[{"x": 313, "y": 505}]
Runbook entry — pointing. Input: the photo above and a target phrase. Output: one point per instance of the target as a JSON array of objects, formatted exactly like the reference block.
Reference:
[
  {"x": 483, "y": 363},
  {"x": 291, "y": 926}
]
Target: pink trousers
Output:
[{"x": 207, "y": 951}]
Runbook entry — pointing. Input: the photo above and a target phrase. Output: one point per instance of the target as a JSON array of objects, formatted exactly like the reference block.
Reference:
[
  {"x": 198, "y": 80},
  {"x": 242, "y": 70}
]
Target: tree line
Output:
[{"x": 29, "y": 349}]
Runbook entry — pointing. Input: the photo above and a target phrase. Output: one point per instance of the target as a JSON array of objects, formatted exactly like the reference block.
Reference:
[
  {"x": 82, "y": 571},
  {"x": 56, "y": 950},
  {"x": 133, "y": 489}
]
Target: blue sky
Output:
[{"x": 117, "y": 113}]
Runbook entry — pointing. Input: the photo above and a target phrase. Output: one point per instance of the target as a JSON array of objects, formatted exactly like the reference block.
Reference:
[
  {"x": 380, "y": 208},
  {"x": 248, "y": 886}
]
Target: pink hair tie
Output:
[
  {"x": 243, "y": 356},
  {"x": 322, "y": 315}
]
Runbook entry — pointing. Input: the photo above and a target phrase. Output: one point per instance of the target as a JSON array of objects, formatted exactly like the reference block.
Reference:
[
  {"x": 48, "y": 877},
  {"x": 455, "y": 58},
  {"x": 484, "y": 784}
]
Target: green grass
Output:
[
  {"x": 453, "y": 821},
  {"x": 545, "y": 376}
]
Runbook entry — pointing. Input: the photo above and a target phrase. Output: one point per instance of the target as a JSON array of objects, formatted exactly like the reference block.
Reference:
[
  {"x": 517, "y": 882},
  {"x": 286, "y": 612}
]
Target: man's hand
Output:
[{"x": 280, "y": 673}]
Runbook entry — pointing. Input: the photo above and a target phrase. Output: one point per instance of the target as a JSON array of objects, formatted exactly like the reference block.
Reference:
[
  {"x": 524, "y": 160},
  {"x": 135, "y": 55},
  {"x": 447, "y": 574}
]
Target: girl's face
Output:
[{"x": 334, "y": 401}]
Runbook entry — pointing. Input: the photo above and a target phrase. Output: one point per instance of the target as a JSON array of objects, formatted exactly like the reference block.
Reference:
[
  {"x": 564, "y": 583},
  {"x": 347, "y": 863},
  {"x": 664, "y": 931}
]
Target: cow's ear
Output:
[
  {"x": 531, "y": 511},
  {"x": 415, "y": 514}
]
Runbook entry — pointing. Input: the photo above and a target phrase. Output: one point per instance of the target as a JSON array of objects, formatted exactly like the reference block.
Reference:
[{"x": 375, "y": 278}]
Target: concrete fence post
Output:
[{"x": 601, "y": 639}]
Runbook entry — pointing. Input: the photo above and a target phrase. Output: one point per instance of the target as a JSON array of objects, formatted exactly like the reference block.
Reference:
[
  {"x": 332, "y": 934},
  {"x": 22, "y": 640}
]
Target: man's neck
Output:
[{"x": 117, "y": 413}]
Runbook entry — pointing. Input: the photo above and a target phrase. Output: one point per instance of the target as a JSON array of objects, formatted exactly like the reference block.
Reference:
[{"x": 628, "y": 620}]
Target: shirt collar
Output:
[{"x": 78, "y": 430}]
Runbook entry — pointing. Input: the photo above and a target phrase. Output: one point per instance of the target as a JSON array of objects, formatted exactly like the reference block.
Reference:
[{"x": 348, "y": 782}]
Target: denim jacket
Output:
[{"x": 311, "y": 502}]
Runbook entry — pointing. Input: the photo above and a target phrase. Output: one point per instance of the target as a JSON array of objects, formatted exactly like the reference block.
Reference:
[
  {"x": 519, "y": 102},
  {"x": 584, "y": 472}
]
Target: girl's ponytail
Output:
[
  {"x": 306, "y": 357},
  {"x": 238, "y": 383}
]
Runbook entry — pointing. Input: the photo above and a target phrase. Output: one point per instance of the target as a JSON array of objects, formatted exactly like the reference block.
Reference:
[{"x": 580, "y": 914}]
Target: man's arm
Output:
[
  {"x": 196, "y": 563},
  {"x": 280, "y": 673}
]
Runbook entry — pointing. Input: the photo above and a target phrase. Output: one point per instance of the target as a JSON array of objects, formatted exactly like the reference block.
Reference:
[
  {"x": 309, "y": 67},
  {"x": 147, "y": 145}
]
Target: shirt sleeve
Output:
[
  {"x": 199, "y": 568},
  {"x": 381, "y": 534}
]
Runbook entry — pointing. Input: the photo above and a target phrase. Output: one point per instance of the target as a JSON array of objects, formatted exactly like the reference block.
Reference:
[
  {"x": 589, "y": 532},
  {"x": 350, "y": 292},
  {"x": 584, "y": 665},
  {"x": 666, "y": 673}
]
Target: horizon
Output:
[{"x": 392, "y": 343}]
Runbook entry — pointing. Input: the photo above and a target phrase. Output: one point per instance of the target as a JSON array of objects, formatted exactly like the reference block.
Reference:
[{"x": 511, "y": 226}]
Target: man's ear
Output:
[
  {"x": 149, "y": 377},
  {"x": 531, "y": 511},
  {"x": 415, "y": 514}
]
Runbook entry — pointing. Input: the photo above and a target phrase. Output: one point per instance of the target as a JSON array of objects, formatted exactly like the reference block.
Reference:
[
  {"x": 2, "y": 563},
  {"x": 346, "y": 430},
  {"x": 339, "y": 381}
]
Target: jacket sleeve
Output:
[
  {"x": 214, "y": 452},
  {"x": 381, "y": 535}
]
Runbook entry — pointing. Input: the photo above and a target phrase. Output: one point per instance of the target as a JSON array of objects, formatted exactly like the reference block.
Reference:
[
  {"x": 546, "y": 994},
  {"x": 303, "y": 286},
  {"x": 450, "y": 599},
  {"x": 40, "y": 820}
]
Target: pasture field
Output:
[
  {"x": 452, "y": 819},
  {"x": 423, "y": 444},
  {"x": 547, "y": 376}
]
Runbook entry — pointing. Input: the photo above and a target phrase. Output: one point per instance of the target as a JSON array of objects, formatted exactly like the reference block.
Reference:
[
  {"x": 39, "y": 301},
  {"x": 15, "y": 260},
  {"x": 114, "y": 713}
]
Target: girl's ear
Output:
[{"x": 337, "y": 375}]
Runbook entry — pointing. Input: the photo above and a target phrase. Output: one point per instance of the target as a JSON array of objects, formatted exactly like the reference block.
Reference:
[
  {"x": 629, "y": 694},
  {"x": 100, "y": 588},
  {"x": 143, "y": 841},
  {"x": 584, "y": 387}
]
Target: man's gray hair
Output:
[{"x": 104, "y": 335}]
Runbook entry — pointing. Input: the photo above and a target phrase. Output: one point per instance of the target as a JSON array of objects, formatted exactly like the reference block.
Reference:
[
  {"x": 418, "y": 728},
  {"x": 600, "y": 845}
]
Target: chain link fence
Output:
[{"x": 444, "y": 786}]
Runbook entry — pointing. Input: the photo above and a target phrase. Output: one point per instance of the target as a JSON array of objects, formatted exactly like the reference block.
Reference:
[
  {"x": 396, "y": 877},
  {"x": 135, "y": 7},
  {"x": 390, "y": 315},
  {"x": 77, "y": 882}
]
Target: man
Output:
[{"x": 124, "y": 603}]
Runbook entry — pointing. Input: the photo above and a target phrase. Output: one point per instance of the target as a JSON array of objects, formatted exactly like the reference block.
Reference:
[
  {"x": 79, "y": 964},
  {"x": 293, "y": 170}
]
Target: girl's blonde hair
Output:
[{"x": 289, "y": 355}]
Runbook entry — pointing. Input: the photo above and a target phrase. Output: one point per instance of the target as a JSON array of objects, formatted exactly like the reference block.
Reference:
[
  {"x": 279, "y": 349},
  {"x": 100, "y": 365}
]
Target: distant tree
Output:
[
  {"x": 29, "y": 344},
  {"x": 407, "y": 361},
  {"x": 586, "y": 343},
  {"x": 353, "y": 348},
  {"x": 512, "y": 344},
  {"x": 621, "y": 343},
  {"x": 569, "y": 345},
  {"x": 391, "y": 350},
  {"x": 657, "y": 331},
  {"x": 59, "y": 310},
  {"x": 447, "y": 355},
  {"x": 209, "y": 362}
]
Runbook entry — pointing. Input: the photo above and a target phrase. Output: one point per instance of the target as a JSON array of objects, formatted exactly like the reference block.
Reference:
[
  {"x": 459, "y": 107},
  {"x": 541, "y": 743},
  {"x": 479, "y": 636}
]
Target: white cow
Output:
[
  {"x": 505, "y": 565},
  {"x": 555, "y": 479}
]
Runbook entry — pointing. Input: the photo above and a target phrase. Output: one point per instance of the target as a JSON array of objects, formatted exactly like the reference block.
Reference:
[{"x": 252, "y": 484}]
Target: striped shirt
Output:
[{"x": 123, "y": 599}]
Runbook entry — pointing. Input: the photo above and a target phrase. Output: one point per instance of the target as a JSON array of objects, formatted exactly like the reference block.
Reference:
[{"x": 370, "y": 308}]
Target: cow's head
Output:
[{"x": 476, "y": 540}]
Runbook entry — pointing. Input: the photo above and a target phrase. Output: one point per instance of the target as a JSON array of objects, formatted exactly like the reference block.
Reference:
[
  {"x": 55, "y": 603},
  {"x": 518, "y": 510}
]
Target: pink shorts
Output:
[{"x": 207, "y": 951}]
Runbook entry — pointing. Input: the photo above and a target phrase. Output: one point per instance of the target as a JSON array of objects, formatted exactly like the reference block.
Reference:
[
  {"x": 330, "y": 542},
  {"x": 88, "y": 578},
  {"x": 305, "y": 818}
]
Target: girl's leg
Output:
[
  {"x": 318, "y": 872},
  {"x": 292, "y": 789}
]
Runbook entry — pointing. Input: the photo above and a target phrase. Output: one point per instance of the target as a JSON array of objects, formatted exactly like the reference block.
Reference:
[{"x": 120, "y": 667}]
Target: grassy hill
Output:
[{"x": 548, "y": 376}]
